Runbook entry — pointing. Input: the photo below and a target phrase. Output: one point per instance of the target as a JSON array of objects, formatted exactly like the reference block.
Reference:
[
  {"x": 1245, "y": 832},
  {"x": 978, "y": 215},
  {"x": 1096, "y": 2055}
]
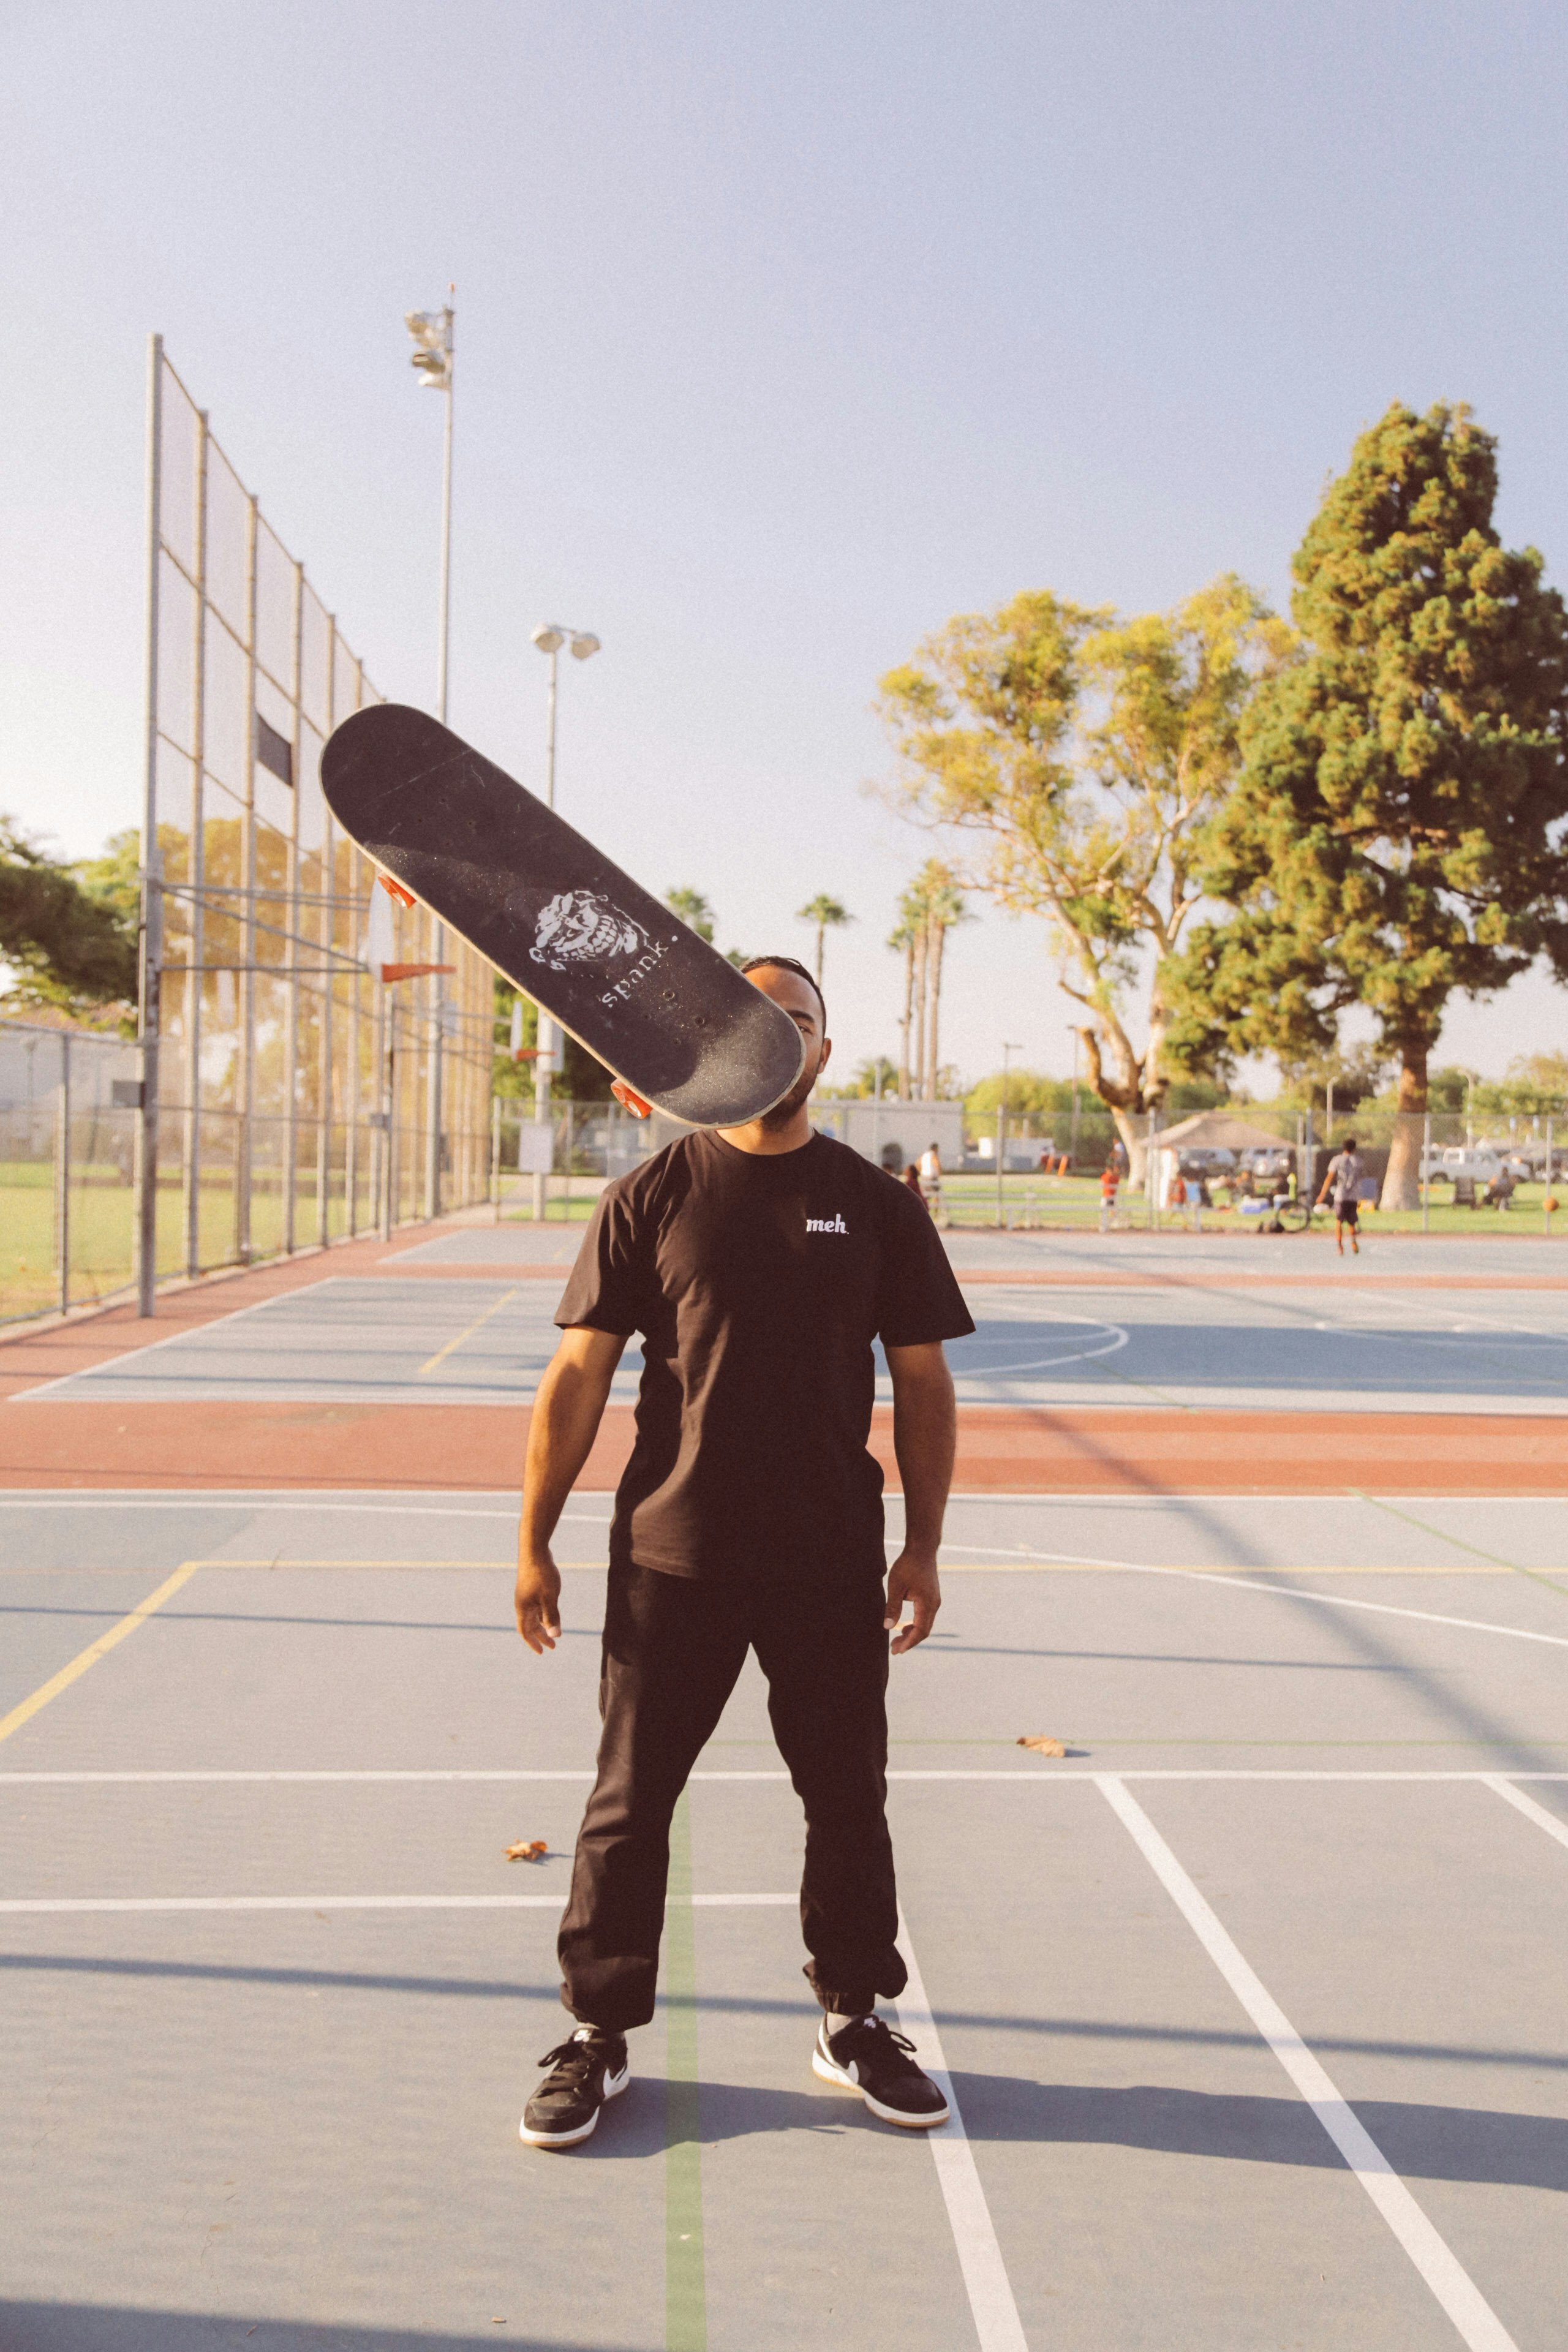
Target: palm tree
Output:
[
  {"x": 691, "y": 907},
  {"x": 902, "y": 940},
  {"x": 928, "y": 910},
  {"x": 828, "y": 916}
]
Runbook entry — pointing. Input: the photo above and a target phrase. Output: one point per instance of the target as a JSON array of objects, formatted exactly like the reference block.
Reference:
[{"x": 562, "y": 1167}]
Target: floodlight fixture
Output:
[
  {"x": 431, "y": 358},
  {"x": 584, "y": 644},
  {"x": 547, "y": 639}
]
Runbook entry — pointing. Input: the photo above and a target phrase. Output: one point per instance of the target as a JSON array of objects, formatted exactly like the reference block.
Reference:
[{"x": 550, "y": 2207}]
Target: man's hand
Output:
[
  {"x": 913, "y": 1578},
  {"x": 538, "y": 1602}
]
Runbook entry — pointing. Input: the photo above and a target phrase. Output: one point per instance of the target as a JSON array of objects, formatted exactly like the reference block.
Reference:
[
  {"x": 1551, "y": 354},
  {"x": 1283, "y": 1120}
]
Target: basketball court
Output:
[{"x": 1249, "y": 2001}]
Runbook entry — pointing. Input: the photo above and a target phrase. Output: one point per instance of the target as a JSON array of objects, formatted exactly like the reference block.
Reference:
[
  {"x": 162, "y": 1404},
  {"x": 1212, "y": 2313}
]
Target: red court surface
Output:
[{"x": 1035, "y": 1449}]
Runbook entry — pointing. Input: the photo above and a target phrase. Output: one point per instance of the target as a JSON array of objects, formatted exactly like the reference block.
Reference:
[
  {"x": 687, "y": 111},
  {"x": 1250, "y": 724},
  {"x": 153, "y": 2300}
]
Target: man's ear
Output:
[{"x": 827, "y": 1050}]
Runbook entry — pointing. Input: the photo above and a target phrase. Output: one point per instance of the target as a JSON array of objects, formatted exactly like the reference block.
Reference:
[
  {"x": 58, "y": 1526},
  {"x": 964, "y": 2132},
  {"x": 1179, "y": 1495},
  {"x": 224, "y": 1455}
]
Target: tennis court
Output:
[{"x": 1250, "y": 2002}]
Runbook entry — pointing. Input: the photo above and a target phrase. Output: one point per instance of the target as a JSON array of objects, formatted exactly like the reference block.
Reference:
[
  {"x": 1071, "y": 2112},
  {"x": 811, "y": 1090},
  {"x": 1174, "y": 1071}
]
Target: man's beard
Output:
[{"x": 783, "y": 1112}]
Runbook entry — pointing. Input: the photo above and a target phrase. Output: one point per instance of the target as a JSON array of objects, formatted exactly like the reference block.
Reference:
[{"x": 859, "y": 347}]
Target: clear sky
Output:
[{"x": 784, "y": 334}]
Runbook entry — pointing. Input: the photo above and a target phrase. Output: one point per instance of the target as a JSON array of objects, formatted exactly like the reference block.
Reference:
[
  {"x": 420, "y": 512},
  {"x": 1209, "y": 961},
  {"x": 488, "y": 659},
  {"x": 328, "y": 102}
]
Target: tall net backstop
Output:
[{"x": 297, "y": 1094}]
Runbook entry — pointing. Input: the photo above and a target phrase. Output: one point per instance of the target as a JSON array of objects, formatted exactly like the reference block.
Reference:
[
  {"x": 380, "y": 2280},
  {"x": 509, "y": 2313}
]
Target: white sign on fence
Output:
[{"x": 535, "y": 1147}]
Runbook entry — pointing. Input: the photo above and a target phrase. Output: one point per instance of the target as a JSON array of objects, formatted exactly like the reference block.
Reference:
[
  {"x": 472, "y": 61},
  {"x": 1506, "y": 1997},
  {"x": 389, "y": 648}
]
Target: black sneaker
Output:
[
  {"x": 867, "y": 2056},
  {"x": 584, "y": 2072}
]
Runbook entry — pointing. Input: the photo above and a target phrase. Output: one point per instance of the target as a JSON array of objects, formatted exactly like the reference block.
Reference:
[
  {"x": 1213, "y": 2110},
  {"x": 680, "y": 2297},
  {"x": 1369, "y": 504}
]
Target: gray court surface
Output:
[
  {"x": 382, "y": 1338},
  {"x": 1252, "y": 2003}
]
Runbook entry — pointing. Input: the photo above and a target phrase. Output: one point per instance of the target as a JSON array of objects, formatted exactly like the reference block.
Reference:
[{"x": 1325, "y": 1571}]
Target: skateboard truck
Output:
[{"x": 634, "y": 1103}]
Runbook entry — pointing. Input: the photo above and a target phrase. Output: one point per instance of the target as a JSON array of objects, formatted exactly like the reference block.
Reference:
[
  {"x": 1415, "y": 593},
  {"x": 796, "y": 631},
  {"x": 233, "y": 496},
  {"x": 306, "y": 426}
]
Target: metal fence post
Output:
[
  {"x": 1546, "y": 1210},
  {"x": 293, "y": 920},
  {"x": 244, "y": 1076},
  {"x": 195, "y": 926},
  {"x": 152, "y": 904},
  {"x": 389, "y": 1132},
  {"x": 1426, "y": 1173},
  {"x": 63, "y": 1174},
  {"x": 1149, "y": 1168}
]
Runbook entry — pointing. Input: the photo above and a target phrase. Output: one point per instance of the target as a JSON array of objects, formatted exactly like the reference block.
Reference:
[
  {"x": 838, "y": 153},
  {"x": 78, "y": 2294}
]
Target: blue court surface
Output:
[
  {"x": 1251, "y": 2002},
  {"x": 386, "y": 1339}
]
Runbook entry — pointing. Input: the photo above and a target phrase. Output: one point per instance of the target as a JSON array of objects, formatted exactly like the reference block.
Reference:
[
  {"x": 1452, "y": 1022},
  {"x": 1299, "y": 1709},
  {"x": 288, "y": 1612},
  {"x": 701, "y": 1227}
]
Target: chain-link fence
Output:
[
  {"x": 320, "y": 1060},
  {"x": 67, "y": 1146}
]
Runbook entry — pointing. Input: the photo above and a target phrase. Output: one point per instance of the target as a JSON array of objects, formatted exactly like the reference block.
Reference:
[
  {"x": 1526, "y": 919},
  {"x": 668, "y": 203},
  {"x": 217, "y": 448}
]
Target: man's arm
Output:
[
  {"x": 566, "y": 1420},
  {"x": 925, "y": 1437}
]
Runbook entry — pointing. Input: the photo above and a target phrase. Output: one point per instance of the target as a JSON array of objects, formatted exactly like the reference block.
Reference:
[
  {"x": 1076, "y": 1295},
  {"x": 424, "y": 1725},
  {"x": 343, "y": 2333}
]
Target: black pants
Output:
[{"x": 673, "y": 1650}]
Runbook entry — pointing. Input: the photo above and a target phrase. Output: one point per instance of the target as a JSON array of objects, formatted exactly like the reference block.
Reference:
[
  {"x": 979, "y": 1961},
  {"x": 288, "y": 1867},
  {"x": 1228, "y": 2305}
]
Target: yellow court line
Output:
[
  {"x": 510, "y": 1565},
  {"x": 442, "y": 1353},
  {"x": 29, "y": 1708}
]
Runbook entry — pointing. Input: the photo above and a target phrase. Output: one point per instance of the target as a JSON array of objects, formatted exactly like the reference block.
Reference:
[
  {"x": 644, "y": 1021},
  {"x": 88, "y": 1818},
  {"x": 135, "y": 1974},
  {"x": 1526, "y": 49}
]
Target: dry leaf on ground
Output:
[
  {"x": 532, "y": 1851},
  {"x": 1043, "y": 1745}
]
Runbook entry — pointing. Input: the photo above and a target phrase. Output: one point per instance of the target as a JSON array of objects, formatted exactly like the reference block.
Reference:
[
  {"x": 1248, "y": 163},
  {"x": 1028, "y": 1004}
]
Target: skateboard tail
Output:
[{"x": 656, "y": 1005}]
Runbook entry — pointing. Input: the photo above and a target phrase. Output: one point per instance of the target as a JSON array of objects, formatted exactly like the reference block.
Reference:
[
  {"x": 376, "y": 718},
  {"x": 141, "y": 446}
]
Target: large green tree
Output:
[
  {"x": 1396, "y": 831},
  {"x": 1081, "y": 754},
  {"x": 68, "y": 933}
]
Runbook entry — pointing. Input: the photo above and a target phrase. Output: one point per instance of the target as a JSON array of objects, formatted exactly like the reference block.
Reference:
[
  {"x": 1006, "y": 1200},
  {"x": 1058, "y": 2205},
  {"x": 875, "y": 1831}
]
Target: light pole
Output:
[
  {"x": 432, "y": 362},
  {"x": 550, "y": 636},
  {"x": 1002, "y": 1127}
]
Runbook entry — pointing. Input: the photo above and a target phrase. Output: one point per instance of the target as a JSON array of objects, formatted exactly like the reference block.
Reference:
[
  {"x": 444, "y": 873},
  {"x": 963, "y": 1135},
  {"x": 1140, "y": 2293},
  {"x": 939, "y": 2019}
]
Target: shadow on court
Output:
[
  {"x": 1422, "y": 2142},
  {"x": 116, "y": 2327}
]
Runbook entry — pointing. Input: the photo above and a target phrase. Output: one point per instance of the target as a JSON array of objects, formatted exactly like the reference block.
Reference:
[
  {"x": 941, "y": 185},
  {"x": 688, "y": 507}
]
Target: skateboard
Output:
[{"x": 661, "y": 1008}]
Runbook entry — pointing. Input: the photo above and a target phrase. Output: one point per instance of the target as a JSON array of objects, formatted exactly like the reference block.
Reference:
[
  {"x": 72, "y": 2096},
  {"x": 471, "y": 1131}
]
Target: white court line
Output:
[
  {"x": 1500, "y": 1785},
  {"x": 223, "y": 1498},
  {"x": 305, "y": 1498},
  {"x": 97, "y": 1903},
  {"x": 172, "y": 1339},
  {"x": 1449, "y": 2283},
  {"x": 1231, "y": 1583},
  {"x": 1022, "y": 1775},
  {"x": 996, "y": 2323}
]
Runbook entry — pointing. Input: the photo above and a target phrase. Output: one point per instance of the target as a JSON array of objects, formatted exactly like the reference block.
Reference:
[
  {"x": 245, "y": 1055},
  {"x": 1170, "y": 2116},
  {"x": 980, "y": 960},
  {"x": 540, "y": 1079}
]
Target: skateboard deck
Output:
[{"x": 659, "y": 1007}]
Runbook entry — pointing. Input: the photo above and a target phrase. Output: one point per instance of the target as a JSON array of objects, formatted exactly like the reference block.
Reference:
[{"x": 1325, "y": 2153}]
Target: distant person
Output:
[
  {"x": 1341, "y": 1179},
  {"x": 930, "y": 1178},
  {"x": 911, "y": 1178},
  {"x": 1110, "y": 1180},
  {"x": 1499, "y": 1191}
]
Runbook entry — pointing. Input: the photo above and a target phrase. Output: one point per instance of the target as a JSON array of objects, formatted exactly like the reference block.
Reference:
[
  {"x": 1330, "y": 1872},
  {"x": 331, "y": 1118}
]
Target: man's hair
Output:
[
  {"x": 789, "y": 963},
  {"x": 1349, "y": 1143}
]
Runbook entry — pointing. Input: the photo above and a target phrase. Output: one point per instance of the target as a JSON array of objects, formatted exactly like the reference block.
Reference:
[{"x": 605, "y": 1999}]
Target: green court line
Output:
[
  {"x": 1458, "y": 1542},
  {"x": 685, "y": 2291}
]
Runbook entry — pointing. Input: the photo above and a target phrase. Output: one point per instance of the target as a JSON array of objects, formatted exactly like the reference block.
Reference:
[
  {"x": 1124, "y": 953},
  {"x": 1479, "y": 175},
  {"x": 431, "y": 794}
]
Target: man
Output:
[
  {"x": 759, "y": 1263},
  {"x": 1342, "y": 1178},
  {"x": 930, "y": 1177}
]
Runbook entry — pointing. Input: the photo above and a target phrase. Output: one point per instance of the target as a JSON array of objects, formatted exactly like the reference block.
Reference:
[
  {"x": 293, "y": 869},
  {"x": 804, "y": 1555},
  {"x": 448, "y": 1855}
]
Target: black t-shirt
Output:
[{"x": 758, "y": 1281}]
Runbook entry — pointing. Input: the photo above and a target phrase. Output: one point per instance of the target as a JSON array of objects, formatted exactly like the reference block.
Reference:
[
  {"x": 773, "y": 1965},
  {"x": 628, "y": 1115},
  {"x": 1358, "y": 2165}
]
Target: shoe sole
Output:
[
  {"x": 827, "y": 2071},
  {"x": 613, "y": 2085}
]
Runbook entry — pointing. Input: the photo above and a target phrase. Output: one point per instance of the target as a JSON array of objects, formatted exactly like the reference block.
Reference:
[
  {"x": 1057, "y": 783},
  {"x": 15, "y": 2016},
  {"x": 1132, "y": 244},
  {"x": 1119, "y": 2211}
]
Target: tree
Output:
[
  {"x": 691, "y": 907},
  {"x": 1337, "y": 1078},
  {"x": 928, "y": 909},
  {"x": 1029, "y": 1094},
  {"x": 71, "y": 941},
  {"x": 1395, "y": 833},
  {"x": 1082, "y": 755},
  {"x": 828, "y": 916}
]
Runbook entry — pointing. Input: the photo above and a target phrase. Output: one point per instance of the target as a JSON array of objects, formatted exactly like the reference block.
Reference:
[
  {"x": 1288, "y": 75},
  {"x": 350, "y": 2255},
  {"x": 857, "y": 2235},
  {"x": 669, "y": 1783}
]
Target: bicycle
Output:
[{"x": 1290, "y": 1216}]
